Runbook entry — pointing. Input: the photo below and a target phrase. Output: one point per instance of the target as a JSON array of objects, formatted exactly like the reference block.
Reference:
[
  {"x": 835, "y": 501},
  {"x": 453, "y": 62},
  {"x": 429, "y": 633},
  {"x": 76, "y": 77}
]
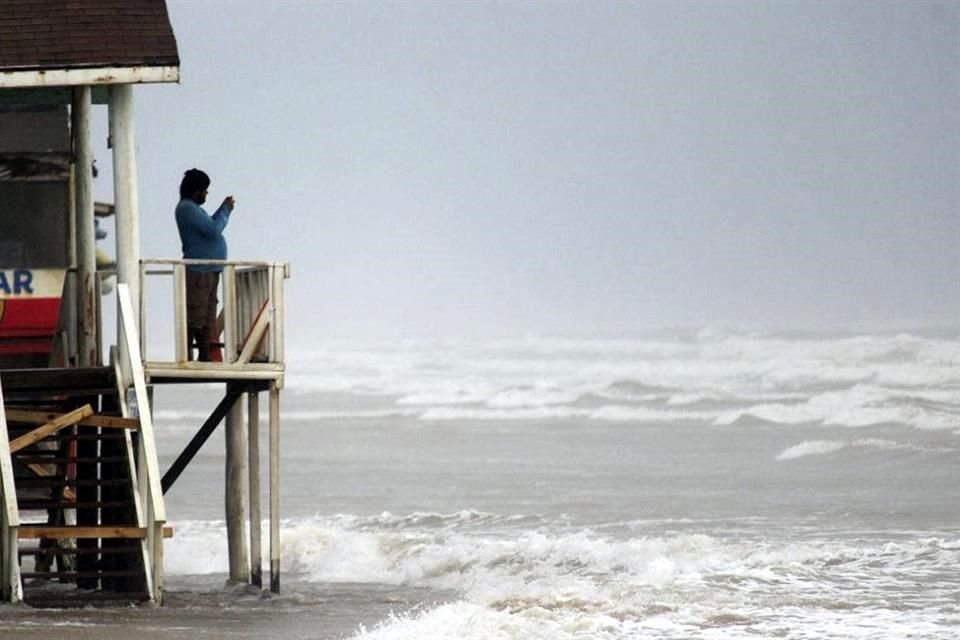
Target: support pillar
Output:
[
  {"x": 253, "y": 423},
  {"x": 85, "y": 229},
  {"x": 236, "y": 480},
  {"x": 125, "y": 196},
  {"x": 274, "y": 488}
]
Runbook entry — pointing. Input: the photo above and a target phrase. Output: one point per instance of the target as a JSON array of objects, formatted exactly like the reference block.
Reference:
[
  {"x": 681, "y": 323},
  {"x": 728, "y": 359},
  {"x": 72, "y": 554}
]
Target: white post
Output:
[
  {"x": 181, "y": 337},
  {"x": 86, "y": 236},
  {"x": 253, "y": 422},
  {"x": 236, "y": 479},
  {"x": 229, "y": 278},
  {"x": 125, "y": 195},
  {"x": 274, "y": 488}
]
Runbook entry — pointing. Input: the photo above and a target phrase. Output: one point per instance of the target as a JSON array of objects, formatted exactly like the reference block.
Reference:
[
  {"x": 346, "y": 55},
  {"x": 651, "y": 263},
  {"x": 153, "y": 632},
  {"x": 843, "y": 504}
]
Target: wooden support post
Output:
[
  {"x": 125, "y": 198},
  {"x": 181, "y": 338},
  {"x": 253, "y": 418},
  {"x": 86, "y": 241},
  {"x": 236, "y": 479},
  {"x": 274, "y": 488},
  {"x": 229, "y": 278}
]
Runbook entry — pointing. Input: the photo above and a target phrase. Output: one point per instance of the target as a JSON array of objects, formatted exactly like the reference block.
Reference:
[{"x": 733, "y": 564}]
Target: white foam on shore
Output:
[{"x": 538, "y": 583}]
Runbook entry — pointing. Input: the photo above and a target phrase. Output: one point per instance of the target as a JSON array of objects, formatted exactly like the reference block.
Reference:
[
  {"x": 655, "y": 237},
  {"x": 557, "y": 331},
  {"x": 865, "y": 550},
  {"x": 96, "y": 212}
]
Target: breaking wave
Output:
[
  {"x": 823, "y": 447},
  {"x": 517, "y": 577},
  {"x": 708, "y": 377}
]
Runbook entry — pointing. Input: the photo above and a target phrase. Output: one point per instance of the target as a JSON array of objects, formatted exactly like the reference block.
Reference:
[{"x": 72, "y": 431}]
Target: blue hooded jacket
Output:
[{"x": 202, "y": 234}]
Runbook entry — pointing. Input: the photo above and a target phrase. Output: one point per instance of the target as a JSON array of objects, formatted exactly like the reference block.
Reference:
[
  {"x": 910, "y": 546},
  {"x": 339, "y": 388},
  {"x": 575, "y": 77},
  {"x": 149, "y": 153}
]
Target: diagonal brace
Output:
[
  {"x": 50, "y": 428},
  {"x": 202, "y": 435}
]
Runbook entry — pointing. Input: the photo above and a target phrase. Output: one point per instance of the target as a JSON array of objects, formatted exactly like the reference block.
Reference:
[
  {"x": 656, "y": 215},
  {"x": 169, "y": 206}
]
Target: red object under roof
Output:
[{"x": 76, "y": 34}]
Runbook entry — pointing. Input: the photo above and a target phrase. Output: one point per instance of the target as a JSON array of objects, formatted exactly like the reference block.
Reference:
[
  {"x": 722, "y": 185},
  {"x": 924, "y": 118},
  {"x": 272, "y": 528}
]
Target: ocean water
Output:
[{"x": 680, "y": 485}]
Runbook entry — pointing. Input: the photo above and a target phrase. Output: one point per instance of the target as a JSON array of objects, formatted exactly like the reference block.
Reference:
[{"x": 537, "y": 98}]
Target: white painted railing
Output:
[
  {"x": 148, "y": 494},
  {"x": 252, "y": 317},
  {"x": 11, "y": 589}
]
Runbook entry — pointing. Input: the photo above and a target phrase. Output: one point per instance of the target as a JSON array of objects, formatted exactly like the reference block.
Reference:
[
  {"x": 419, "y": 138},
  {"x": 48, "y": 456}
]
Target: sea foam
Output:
[{"x": 553, "y": 583}]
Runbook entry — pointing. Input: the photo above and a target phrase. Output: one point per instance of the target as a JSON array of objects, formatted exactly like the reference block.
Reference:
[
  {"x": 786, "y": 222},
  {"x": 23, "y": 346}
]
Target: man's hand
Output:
[{"x": 228, "y": 203}]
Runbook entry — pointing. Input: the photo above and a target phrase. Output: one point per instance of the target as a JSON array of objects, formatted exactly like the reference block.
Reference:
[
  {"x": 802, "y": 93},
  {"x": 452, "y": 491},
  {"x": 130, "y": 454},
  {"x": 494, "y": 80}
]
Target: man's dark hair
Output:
[{"x": 193, "y": 180}]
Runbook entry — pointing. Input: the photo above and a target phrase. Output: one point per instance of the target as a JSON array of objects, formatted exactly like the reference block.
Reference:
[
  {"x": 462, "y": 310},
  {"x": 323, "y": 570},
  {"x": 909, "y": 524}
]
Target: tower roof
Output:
[{"x": 63, "y": 35}]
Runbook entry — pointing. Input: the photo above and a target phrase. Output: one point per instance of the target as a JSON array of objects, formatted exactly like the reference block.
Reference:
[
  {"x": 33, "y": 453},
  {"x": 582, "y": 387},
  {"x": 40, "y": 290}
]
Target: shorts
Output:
[{"x": 202, "y": 298}]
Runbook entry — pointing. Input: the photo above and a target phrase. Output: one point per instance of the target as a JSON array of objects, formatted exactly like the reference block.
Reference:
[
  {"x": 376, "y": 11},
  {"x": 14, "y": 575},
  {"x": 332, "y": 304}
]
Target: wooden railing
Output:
[
  {"x": 252, "y": 315},
  {"x": 11, "y": 589},
  {"x": 135, "y": 403}
]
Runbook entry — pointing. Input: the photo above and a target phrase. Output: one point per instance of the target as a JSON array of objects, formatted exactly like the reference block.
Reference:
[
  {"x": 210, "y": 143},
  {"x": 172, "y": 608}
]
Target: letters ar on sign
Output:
[{"x": 16, "y": 282}]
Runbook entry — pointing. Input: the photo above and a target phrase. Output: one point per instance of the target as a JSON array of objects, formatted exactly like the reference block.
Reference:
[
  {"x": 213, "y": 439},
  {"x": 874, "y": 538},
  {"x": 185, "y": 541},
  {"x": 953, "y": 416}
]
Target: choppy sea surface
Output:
[{"x": 699, "y": 485}]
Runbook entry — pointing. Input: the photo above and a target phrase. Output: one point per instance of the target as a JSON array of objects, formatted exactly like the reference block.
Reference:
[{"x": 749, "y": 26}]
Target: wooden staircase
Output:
[{"x": 73, "y": 454}]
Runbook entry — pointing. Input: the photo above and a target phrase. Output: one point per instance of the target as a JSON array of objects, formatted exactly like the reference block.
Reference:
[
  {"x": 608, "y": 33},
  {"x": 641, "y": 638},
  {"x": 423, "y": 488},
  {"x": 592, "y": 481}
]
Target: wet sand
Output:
[{"x": 315, "y": 612}]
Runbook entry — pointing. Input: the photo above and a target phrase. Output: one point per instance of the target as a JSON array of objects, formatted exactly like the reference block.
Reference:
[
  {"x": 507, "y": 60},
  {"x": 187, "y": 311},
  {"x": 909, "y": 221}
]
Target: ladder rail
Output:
[
  {"x": 148, "y": 466},
  {"x": 11, "y": 587}
]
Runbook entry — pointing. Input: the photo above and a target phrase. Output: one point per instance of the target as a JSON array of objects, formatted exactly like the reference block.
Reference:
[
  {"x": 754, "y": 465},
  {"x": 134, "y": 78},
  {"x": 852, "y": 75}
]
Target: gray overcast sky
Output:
[{"x": 454, "y": 168}]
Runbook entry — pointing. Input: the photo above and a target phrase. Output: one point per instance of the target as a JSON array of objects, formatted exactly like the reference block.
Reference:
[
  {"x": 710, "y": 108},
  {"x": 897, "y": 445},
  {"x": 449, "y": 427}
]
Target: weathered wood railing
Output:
[
  {"x": 11, "y": 589},
  {"x": 252, "y": 295},
  {"x": 252, "y": 317},
  {"x": 148, "y": 494}
]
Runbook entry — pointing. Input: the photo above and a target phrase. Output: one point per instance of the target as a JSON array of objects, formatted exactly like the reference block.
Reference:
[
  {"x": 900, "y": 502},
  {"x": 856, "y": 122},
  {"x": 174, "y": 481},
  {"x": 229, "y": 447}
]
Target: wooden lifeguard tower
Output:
[{"x": 82, "y": 514}]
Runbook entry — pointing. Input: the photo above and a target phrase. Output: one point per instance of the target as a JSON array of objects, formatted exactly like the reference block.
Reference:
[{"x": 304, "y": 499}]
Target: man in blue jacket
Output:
[{"x": 202, "y": 238}]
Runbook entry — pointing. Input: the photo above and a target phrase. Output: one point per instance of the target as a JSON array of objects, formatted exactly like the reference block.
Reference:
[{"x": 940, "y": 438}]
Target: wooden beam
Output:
[
  {"x": 39, "y": 417},
  {"x": 48, "y": 429},
  {"x": 70, "y": 532},
  {"x": 255, "y": 335}
]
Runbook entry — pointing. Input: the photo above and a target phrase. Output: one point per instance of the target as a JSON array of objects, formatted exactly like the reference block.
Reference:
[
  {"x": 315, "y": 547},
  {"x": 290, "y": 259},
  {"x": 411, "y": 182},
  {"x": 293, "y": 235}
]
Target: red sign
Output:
[{"x": 29, "y": 309}]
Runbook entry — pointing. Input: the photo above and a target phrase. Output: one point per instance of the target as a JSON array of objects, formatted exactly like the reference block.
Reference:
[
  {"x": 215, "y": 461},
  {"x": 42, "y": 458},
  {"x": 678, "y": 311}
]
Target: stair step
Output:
[
  {"x": 96, "y": 420},
  {"x": 50, "y": 459},
  {"x": 36, "y": 505},
  {"x": 79, "y": 597},
  {"x": 67, "y": 436},
  {"x": 78, "y": 551},
  {"x": 57, "y": 378},
  {"x": 106, "y": 573},
  {"x": 67, "y": 532},
  {"x": 58, "y": 481}
]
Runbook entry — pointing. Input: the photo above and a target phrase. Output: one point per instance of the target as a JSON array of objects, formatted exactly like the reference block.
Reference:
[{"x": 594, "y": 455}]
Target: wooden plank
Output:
[
  {"x": 48, "y": 429},
  {"x": 11, "y": 517},
  {"x": 229, "y": 313},
  {"x": 213, "y": 372},
  {"x": 181, "y": 339},
  {"x": 148, "y": 452},
  {"x": 15, "y": 380},
  {"x": 255, "y": 335},
  {"x": 96, "y": 420},
  {"x": 68, "y": 532},
  {"x": 11, "y": 588}
]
